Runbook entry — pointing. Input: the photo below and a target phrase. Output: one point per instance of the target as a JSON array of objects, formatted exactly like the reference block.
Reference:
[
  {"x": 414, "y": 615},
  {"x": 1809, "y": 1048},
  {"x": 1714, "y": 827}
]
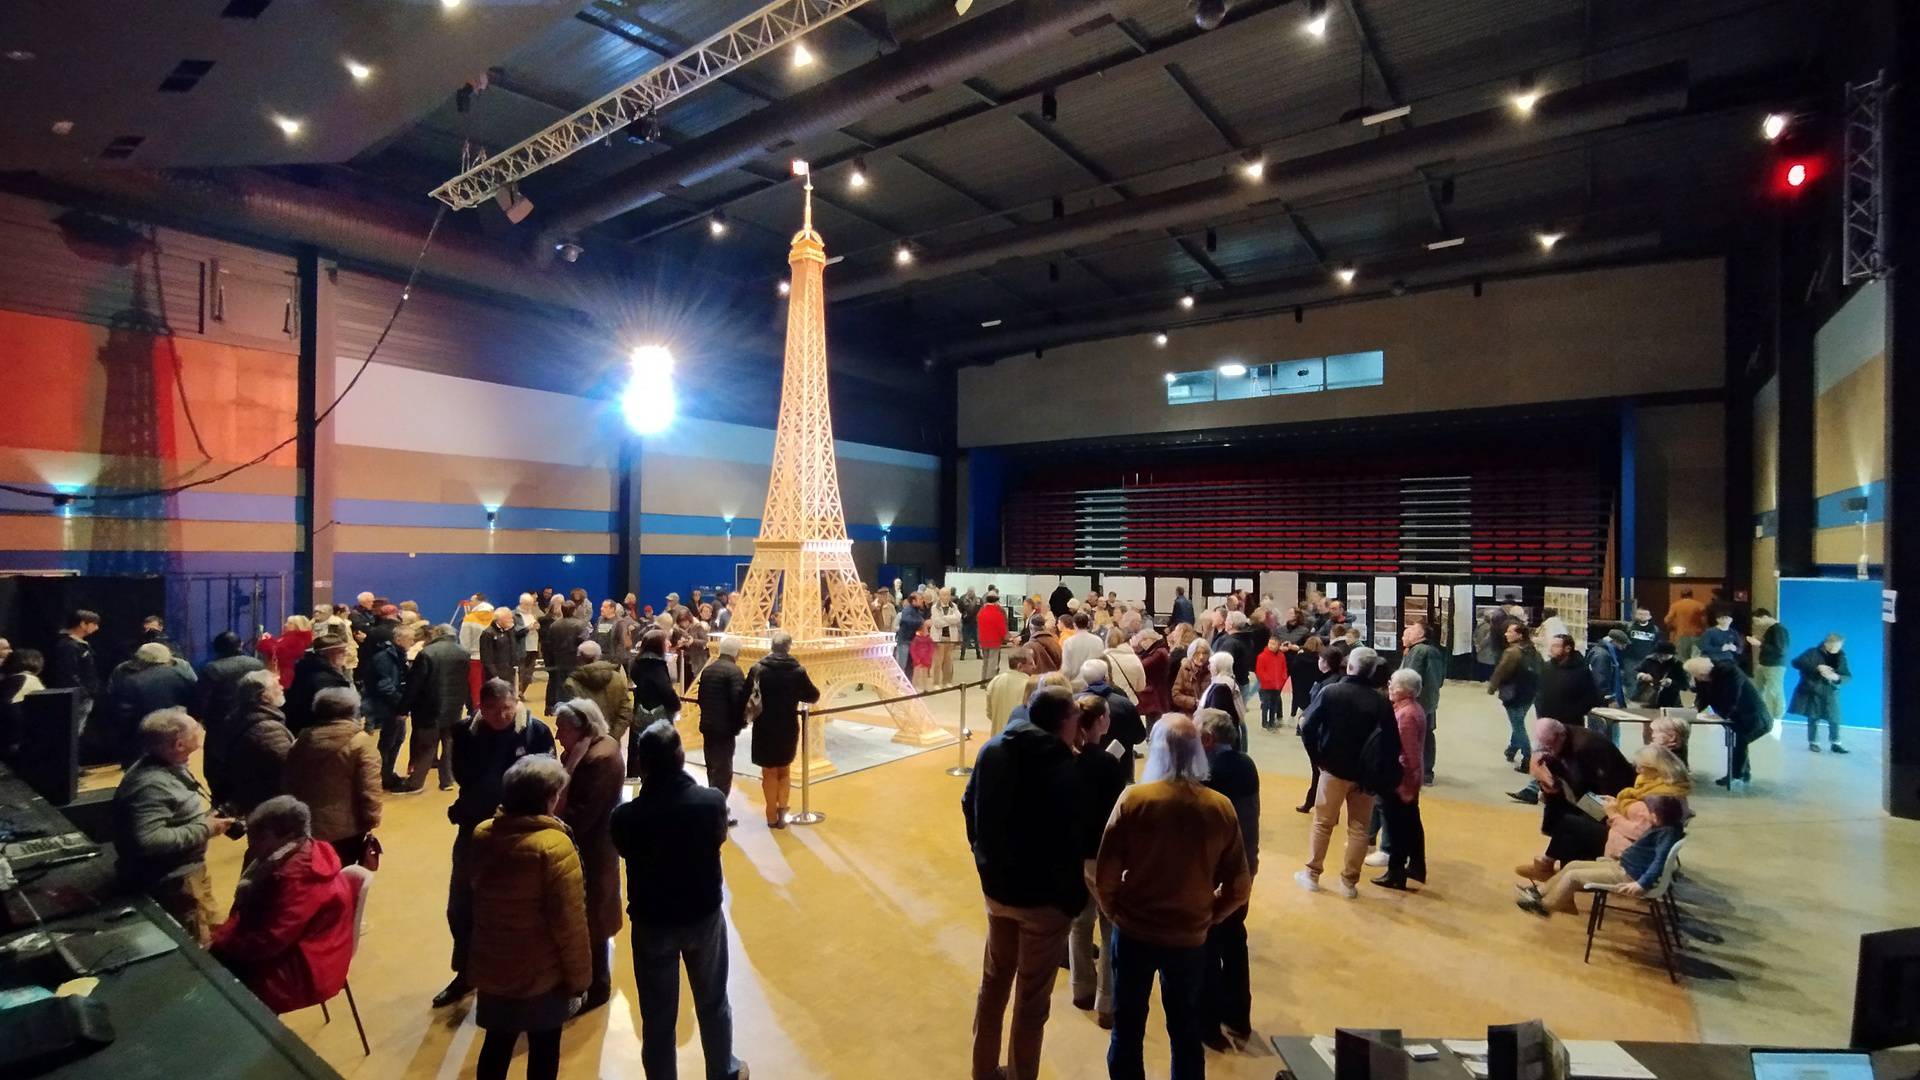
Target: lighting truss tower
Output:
[
  {"x": 760, "y": 33},
  {"x": 802, "y": 578},
  {"x": 1862, "y": 229}
]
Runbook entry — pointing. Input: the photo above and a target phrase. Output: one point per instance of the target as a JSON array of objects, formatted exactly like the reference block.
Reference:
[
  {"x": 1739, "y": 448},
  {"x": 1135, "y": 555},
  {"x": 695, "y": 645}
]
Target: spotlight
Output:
[
  {"x": 902, "y": 255},
  {"x": 800, "y": 167},
  {"x": 1797, "y": 174},
  {"x": 1346, "y": 274},
  {"x": 1169, "y": 376},
  {"x": 1774, "y": 126},
  {"x": 513, "y": 204},
  {"x": 1186, "y": 301},
  {"x": 1232, "y": 369},
  {"x": 785, "y": 287},
  {"x": 801, "y": 56},
  {"x": 358, "y": 70},
  {"x": 1549, "y": 239},
  {"x": 1160, "y": 339},
  {"x": 858, "y": 180},
  {"x": 717, "y": 225},
  {"x": 450, "y": 4},
  {"x": 568, "y": 251},
  {"x": 288, "y": 126},
  {"x": 1255, "y": 167},
  {"x": 648, "y": 402},
  {"x": 1316, "y": 24},
  {"x": 493, "y": 516},
  {"x": 1208, "y": 14},
  {"x": 1526, "y": 96}
]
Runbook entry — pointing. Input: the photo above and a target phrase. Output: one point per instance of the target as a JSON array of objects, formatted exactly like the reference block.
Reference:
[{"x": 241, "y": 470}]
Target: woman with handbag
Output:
[
  {"x": 781, "y": 685},
  {"x": 334, "y": 768},
  {"x": 654, "y": 694}
]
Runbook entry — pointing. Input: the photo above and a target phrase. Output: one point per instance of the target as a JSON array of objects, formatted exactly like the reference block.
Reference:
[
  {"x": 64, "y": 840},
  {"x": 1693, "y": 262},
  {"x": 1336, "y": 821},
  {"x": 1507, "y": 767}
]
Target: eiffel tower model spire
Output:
[{"x": 802, "y": 578}]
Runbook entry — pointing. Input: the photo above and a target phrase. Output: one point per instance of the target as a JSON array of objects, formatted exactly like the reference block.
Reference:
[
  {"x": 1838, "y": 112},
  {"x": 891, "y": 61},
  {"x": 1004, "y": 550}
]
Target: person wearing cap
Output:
[
  {"x": 723, "y": 713},
  {"x": 320, "y": 667}
]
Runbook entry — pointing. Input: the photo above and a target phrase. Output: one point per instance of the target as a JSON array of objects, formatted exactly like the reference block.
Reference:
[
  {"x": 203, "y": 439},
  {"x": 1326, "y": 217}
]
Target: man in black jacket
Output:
[
  {"x": 501, "y": 733},
  {"x": 1020, "y": 806},
  {"x": 723, "y": 714},
  {"x": 500, "y": 648},
  {"x": 560, "y": 648},
  {"x": 670, "y": 836},
  {"x": 1123, "y": 721},
  {"x": 321, "y": 667},
  {"x": 1239, "y": 644},
  {"x": 70, "y": 664},
  {"x": 383, "y": 682},
  {"x": 438, "y": 694},
  {"x": 1567, "y": 691},
  {"x": 1228, "y": 998},
  {"x": 1336, "y": 727}
]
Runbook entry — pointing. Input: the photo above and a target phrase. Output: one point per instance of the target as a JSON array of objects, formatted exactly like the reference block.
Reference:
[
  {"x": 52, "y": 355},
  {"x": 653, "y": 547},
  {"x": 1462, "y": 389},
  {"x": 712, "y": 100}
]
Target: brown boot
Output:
[{"x": 1540, "y": 869}]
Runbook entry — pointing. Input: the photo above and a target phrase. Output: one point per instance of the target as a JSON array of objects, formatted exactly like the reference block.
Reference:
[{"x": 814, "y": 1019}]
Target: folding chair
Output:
[
  {"x": 362, "y": 879},
  {"x": 1659, "y": 910}
]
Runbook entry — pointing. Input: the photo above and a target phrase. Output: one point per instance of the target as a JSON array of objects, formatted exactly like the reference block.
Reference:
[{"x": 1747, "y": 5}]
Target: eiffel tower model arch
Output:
[{"x": 802, "y": 578}]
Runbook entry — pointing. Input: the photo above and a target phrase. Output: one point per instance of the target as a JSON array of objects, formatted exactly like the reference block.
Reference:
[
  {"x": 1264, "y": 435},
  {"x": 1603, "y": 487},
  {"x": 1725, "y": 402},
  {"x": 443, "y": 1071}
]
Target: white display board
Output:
[
  {"x": 1386, "y": 613},
  {"x": 1462, "y": 619},
  {"x": 1131, "y": 590},
  {"x": 1012, "y": 586},
  {"x": 1283, "y": 586},
  {"x": 1163, "y": 593}
]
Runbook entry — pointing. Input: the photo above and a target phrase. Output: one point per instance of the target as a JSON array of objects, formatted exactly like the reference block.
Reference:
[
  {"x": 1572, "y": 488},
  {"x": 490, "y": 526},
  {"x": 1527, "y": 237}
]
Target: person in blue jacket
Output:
[{"x": 1636, "y": 871}]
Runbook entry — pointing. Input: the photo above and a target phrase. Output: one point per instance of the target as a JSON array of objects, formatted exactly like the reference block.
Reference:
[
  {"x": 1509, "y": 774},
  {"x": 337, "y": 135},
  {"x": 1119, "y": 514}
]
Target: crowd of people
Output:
[{"x": 1082, "y": 865}]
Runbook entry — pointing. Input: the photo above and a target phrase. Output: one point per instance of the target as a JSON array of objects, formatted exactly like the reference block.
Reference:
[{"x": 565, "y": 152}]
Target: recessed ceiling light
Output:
[
  {"x": 857, "y": 180},
  {"x": 1441, "y": 245},
  {"x": 1255, "y": 168},
  {"x": 1774, "y": 126},
  {"x": 450, "y": 4},
  {"x": 1316, "y": 24},
  {"x": 991, "y": 323},
  {"x": 288, "y": 126},
  {"x": 1346, "y": 274},
  {"x": 1161, "y": 340},
  {"x": 358, "y": 70},
  {"x": 1233, "y": 369},
  {"x": 20, "y": 55},
  {"x": 63, "y": 127},
  {"x": 902, "y": 255},
  {"x": 1548, "y": 239},
  {"x": 717, "y": 225},
  {"x": 801, "y": 55},
  {"x": 1526, "y": 96},
  {"x": 1186, "y": 301}
]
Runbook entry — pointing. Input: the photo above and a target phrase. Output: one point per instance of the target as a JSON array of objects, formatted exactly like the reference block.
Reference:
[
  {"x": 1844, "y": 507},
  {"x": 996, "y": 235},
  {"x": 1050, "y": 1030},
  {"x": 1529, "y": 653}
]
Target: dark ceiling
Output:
[{"x": 1142, "y": 102}]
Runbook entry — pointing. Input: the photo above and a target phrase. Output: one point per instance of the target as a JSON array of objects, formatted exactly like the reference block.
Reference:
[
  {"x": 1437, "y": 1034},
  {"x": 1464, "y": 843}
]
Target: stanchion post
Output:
[
  {"x": 807, "y": 814},
  {"x": 960, "y": 766}
]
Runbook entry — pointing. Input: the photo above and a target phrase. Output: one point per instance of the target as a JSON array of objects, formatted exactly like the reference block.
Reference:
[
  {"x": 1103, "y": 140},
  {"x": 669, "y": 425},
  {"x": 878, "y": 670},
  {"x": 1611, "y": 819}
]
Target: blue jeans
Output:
[
  {"x": 1517, "y": 720},
  {"x": 1270, "y": 707},
  {"x": 902, "y": 657},
  {"x": 1182, "y": 978},
  {"x": 657, "y": 953}
]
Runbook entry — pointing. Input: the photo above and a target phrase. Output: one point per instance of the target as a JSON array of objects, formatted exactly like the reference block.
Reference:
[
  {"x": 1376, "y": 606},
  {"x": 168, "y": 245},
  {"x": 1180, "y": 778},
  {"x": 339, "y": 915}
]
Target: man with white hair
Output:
[
  {"x": 1008, "y": 690},
  {"x": 145, "y": 684},
  {"x": 944, "y": 624},
  {"x": 722, "y": 693},
  {"x": 1335, "y": 732},
  {"x": 1124, "y": 716},
  {"x": 1085, "y": 644},
  {"x": 1239, "y": 644},
  {"x": 1172, "y": 865},
  {"x": 162, "y": 821}
]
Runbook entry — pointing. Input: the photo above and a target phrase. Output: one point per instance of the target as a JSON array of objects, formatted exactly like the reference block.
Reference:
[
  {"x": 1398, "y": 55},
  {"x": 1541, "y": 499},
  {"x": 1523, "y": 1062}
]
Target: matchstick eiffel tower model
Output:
[{"x": 802, "y": 579}]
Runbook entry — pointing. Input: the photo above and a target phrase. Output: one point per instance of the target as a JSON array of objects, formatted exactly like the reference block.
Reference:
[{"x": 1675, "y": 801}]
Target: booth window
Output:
[{"x": 1343, "y": 371}]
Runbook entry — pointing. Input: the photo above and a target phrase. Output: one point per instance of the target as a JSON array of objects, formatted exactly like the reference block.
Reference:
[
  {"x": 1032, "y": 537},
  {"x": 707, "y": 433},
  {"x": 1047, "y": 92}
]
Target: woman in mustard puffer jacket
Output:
[{"x": 529, "y": 956}]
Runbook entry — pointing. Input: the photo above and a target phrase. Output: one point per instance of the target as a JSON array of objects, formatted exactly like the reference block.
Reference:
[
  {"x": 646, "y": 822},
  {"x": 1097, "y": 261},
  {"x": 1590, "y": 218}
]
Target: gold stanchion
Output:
[
  {"x": 807, "y": 815},
  {"x": 960, "y": 766}
]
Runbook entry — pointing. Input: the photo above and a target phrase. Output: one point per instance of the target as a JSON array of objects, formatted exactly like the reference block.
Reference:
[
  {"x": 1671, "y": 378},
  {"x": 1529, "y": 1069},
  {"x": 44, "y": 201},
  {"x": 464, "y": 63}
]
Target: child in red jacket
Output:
[
  {"x": 920, "y": 655},
  {"x": 1270, "y": 667}
]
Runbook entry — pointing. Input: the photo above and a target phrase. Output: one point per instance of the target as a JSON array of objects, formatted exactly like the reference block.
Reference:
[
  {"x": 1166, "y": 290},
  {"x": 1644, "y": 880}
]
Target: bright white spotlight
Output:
[
  {"x": 288, "y": 126},
  {"x": 1525, "y": 99},
  {"x": 1186, "y": 301},
  {"x": 902, "y": 255},
  {"x": 1549, "y": 239},
  {"x": 1346, "y": 274},
  {"x": 1774, "y": 126},
  {"x": 717, "y": 226},
  {"x": 358, "y": 70},
  {"x": 801, "y": 56},
  {"x": 450, "y": 4},
  {"x": 1161, "y": 340},
  {"x": 1254, "y": 168},
  {"x": 649, "y": 403},
  {"x": 1233, "y": 369},
  {"x": 785, "y": 287},
  {"x": 1316, "y": 24}
]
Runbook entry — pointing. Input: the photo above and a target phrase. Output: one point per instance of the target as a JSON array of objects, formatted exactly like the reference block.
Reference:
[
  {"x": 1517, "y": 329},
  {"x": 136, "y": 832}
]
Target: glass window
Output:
[
  {"x": 1250, "y": 383},
  {"x": 1349, "y": 370},
  {"x": 1190, "y": 388},
  {"x": 1297, "y": 376}
]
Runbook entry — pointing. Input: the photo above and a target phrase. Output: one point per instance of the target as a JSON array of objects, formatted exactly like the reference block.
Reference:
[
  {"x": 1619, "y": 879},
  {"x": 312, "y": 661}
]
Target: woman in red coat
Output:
[
  {"x": 283, "y": 652},
  {"x": 290, "y": 935}
]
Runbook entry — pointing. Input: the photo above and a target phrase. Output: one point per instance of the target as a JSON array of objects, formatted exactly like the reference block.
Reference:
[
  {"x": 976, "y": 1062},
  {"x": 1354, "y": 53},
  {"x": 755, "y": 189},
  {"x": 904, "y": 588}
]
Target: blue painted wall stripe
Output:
[{"x": 1830, "y": 510}]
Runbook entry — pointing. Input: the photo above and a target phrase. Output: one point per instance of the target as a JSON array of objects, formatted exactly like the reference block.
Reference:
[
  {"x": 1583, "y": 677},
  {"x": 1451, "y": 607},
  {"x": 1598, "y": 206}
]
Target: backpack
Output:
[{"x": 1380, "y": 770}]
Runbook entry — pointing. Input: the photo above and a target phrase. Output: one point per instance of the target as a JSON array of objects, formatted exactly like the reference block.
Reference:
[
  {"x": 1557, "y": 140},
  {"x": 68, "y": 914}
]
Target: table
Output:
[
  {"x": 1641, "y": 714},
  {"x": 1669, "y": 1061},
  {"x": 179, "y": 1014}
]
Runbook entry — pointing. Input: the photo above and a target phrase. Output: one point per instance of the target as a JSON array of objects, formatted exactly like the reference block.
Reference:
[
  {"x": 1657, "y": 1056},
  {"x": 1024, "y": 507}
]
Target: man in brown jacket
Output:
[
  {"x": 1045, "y": 646},
  {"x": 334, "y": 767},
  {"x": 1171, "y": 865}
]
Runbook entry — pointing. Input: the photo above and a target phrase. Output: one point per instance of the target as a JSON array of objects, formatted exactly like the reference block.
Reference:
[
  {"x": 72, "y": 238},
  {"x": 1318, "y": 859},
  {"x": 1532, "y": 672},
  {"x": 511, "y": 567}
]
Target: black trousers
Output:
[
  {"x": 1406, "y": 836},
  {"x": 719, "y": 754},
  {"x": 393, "y": 735},
  {"x": 1226, "y": 999},
  {"x": 1572, "y": 836},
  {"x": 460, "y": 901},
  {"x": 496, "y": 1054},
  {"x": 602, "y": 951},
  {"x": 557, "y": 687}
]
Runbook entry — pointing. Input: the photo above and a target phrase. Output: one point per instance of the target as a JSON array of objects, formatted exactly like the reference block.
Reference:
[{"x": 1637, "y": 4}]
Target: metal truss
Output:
[
  {"x": 742, "y": 43},
  {"x": 1862, "y": 229}
]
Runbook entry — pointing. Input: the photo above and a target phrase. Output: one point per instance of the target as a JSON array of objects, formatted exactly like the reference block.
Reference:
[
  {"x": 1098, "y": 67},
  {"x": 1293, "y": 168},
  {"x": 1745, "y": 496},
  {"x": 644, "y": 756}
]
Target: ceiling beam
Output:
[{"x": 1390, "y": 82}]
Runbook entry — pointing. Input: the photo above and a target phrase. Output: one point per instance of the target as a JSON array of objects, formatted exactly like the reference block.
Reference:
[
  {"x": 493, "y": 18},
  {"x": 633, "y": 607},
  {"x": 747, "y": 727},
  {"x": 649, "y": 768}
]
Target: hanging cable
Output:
[{"x": 406, "y": 293}]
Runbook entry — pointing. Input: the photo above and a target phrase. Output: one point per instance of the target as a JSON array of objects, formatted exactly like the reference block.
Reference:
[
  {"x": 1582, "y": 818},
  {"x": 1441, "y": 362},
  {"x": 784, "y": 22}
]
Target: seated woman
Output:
[
  {"x": 1659, "y": 773},
  {"x": 290, "y": 934},
  {"x": 1569, "y": 762},
  {"x": 1636, "y": 870}
]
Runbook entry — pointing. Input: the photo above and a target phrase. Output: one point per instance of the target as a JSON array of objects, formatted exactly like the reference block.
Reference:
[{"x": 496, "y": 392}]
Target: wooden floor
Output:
[{"x": 856, "y": 942}]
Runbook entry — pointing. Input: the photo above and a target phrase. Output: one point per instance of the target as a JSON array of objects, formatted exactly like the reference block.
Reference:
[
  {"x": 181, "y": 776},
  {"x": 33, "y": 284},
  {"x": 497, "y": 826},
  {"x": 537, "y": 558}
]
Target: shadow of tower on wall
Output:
[{"x": 134, "y": 365}]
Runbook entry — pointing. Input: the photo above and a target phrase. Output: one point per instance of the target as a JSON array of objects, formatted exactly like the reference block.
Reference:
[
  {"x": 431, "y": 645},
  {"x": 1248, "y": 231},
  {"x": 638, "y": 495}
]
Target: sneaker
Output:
[
  {"x": 1306, "y": 880},
  {"x": 1532, "y": 906},
  {"x": 1836, "y": 748},
  {"x": 1346, "y": 891},
  {"x": 1378, "y": 858}
]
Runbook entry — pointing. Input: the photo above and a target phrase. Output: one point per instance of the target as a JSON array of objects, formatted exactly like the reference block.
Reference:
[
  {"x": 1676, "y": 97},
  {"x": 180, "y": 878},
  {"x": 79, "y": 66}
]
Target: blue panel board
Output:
[{"x": 1812, "y": 608}]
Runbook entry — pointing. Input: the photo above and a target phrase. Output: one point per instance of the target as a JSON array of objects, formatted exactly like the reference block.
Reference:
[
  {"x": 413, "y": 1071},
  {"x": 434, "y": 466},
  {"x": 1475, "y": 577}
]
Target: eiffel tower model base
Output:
[{"x": 837, "y": 664}]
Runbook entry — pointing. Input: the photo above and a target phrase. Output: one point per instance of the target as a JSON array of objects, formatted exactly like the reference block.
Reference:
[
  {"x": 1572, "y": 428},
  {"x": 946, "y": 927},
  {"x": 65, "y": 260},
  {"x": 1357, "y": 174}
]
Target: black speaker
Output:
[{"x": 49, "y": 755}]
